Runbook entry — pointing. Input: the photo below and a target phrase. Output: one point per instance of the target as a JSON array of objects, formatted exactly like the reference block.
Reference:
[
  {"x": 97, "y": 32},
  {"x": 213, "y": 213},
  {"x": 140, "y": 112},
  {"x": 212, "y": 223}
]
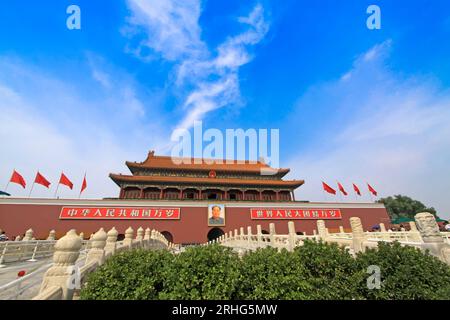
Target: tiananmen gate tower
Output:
[{"x": 190, "y": 201}]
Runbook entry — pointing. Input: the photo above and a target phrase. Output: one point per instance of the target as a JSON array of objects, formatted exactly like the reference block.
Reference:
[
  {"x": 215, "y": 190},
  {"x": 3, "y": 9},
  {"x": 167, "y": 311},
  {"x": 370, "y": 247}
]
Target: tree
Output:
[{"x": 403, "y": 206}]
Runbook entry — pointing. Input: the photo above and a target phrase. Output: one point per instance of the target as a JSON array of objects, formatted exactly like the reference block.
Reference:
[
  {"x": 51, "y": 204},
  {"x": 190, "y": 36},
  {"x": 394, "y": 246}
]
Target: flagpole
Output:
[
  {"x": 32, "y": 186},
  {"x": 56, "y": 190},
  {"x": 339, "y": 191},
  {"x": 57, "y": 186},
  {"x": 370, "y": 193},
  {"x": 79, "y": 196},
  {"x": 7, "y": 184},
  {"x": 323, "y": 191}
]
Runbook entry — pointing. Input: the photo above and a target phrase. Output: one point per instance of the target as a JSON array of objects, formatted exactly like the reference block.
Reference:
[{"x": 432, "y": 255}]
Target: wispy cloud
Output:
[
  {"x": 211, "y": 77},
  {"x": 51, "y": 124},
  {"x": 171, "y": 26},
  {"x": 389, "y": 130}
]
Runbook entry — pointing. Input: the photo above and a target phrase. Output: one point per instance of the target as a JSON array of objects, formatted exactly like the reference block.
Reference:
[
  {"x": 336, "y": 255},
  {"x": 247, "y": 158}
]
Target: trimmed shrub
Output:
[
  {"x": 331, "y": 271},
  {"x": 269, "y": 274},
  {"x": 203, "y": 273},
  {"x": 131, "y": 275},
  {"x": 315, "y": 270},
  {"x": 406, "y": 273}
]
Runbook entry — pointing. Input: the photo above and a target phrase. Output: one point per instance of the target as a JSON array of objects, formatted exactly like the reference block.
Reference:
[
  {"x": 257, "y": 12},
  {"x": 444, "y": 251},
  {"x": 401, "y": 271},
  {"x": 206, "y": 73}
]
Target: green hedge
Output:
[
  {"x": 406, "y": 273},
  {"x": 313, "y": 271},
  {"x": 202, "y": 273}
]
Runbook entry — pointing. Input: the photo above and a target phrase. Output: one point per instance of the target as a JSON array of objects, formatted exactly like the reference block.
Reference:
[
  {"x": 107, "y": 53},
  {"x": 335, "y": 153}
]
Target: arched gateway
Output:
[
  {"x": 167, "y": 235},
  {"x": 215, "y": 233}
]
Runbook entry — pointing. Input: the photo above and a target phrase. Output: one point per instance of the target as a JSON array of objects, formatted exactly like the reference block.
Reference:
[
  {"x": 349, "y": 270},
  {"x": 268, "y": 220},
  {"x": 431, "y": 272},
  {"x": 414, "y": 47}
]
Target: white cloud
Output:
[
  {"x": 172, "y": 30},
  {"x": 390, "y": 131},
  {"x": 52, "y": 125},
  {"x": 172, "y": 27}
]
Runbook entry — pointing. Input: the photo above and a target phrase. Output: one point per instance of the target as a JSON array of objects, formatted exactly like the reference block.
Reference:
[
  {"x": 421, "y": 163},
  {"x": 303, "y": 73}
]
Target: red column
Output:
[
  {"x": 141, "y": 196},
  {"x": 243, "y": 195},
  {"x": 181, "y": 194},
  {"x": 200, "y": 194},
  {"x": 122, "y": 191},
  {"x": 161, "y": 194},
  {"x": 277, "y": 195},
  {"x": 260, "y": 195},
  {"x": 225, "y": 195}
]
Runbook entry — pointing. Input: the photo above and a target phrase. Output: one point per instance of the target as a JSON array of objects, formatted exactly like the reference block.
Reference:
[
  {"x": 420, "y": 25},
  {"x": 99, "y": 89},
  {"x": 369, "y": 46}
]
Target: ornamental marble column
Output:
[
  {"x": 431, "y": 236},
  {"x": 111, "y": 242},
  {"x": 321, "y": 229},
  {"x": 61, "y": 274},
  {"x": 292, "y": 235},
  {"x": 97, "y": 251},
  {"x": 358, "y": 234}
]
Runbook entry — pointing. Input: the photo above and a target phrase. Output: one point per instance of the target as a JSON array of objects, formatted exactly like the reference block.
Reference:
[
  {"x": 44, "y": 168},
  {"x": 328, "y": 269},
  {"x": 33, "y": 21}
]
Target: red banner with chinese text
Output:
[
  {"x": 274, "y": 214},
  {"x": 119, "y": 213}
]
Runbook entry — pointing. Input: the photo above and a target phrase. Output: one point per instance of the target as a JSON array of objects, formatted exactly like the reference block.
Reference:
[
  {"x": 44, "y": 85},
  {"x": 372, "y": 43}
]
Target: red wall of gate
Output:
[{"x": 192, "y": 227}]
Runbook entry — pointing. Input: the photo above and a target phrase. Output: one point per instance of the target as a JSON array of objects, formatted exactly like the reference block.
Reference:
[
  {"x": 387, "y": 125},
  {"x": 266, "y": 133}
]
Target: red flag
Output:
[
  {"x": 355, "y": 187},
  {"x": 372, "y": 190},
  {"x": 17, "y": 178},
  {"x": 328, "y": 189},
  {"x": 40, "y": 179},
  {"x": 84, "y": 185},
  {"x": 65, "y": 181},
  {"x": 341, "y": 188}
]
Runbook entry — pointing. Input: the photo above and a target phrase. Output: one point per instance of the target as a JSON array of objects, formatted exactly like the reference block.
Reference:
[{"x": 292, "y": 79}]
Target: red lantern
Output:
[{"x": 21, "y": 273}]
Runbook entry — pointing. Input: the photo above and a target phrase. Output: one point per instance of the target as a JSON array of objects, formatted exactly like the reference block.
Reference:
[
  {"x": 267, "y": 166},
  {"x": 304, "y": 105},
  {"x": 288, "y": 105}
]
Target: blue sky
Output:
[{"x": 352, "y": 104}]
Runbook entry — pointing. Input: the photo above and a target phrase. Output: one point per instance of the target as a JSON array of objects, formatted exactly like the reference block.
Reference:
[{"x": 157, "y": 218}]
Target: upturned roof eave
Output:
[{"x": 118, "y": 179}]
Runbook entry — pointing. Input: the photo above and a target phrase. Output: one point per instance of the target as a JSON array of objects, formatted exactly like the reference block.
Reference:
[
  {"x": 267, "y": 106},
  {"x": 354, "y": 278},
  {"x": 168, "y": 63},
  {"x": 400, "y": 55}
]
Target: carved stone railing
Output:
[
  {"x": 424, "y": 234},
  {"x": 26, "y": 249},
  {"x": 65, "y": 278}
]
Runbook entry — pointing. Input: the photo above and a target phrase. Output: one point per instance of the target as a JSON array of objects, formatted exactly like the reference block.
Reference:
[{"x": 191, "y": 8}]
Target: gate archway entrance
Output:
[
  {"x": 215, "y": 233},
  {"x": 167, "y": 235}
]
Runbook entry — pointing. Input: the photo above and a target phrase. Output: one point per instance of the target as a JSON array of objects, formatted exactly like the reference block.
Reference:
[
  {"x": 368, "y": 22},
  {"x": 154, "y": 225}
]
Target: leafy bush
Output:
[
  {"x": 406, "y": 273},
  {"x": 131, "y": 275},
  {"x": 314, "y": 271},
  {"x": 202, "y": 273},
  {"x": 331, "y": 271},
  {"x": 269, "y": 274}
]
